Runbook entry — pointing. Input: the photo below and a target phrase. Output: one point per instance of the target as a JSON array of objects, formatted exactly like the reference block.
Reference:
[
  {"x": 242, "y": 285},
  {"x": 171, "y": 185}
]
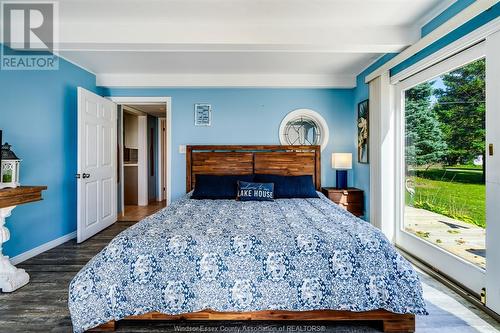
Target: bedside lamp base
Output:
[{"x": 341, "y": 179}]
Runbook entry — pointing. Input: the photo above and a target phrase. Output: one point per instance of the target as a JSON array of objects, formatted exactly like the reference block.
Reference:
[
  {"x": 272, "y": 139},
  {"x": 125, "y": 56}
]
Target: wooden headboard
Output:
[{"x": 241, "y": 160}]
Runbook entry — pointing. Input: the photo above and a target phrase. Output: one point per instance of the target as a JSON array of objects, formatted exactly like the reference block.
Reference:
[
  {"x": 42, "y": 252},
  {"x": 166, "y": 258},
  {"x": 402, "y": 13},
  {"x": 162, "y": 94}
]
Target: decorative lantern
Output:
[{"x": 9, "y": 168}]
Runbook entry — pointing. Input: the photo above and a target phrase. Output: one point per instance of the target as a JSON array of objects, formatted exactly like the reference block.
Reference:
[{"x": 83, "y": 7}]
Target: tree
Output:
[
  {"x": 461, "y": 110},
  {"x": 425, "y": 144}
]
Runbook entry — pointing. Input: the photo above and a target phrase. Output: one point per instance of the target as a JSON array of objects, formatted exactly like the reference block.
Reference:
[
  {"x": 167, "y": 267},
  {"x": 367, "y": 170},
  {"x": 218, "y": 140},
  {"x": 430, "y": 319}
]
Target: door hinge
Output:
[
  {"x": 490, "y": 149},
  {"x": 77, "y": 176},
  {"x": 483, "y": 296}
]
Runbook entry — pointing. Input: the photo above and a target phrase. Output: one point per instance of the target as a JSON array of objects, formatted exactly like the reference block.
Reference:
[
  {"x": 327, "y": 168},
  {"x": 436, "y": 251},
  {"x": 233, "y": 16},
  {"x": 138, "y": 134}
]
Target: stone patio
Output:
[{"x": 462, "y": 239}]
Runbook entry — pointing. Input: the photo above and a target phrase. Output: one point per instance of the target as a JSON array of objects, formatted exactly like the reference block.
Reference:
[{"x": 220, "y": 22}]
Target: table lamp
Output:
[{"x": 341, "y": 162}]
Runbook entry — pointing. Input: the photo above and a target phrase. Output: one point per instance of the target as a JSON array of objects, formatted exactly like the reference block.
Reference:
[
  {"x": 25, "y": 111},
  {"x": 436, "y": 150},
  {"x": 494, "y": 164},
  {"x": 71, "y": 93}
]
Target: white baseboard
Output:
[{"x": 42, "y": 248}]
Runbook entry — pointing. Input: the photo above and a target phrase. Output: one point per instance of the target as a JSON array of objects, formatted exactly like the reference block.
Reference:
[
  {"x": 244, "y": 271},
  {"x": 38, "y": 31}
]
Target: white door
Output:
[
  {"x": 442, "y": 198},
  {"x": 163, "y": 159},
  {"x": 97, "y": 171}
]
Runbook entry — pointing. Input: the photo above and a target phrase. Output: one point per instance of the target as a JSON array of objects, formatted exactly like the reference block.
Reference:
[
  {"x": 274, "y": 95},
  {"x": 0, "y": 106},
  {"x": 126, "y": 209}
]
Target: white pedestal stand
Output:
[{"x": 11, "y": 278}]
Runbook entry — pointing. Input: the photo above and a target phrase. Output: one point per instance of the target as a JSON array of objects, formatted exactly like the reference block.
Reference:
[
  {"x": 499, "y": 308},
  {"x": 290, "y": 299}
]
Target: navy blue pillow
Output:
[
  {"x": 218, "y": 187},
  {"x": 255, "y": 191},
  {"x": 290, "y": 186}
]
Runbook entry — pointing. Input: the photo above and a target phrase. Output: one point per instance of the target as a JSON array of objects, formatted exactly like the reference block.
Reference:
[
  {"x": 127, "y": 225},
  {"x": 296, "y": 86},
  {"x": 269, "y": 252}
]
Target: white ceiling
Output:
[
  {"x": 317, "y": 43},
  {"x": 156, "y": 110}
]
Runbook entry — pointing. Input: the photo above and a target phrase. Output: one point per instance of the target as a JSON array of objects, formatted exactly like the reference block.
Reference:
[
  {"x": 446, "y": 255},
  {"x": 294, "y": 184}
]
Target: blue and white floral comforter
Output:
[{"x": 226, "y": 255}]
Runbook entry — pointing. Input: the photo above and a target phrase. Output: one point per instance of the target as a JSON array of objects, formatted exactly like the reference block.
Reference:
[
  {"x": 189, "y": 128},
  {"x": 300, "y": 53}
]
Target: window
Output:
[
  {"x": 304, "y": 127},
  {"x": 444, "y": 154},
  {"x": 442, "y": 192}
]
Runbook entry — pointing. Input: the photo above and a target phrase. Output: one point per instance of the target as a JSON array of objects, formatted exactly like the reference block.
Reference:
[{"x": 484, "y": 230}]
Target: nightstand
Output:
[{"x": 351, "y": 199}]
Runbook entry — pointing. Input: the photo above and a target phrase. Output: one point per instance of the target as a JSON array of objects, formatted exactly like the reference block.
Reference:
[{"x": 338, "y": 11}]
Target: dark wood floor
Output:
[{"x": 41, "y": 306}]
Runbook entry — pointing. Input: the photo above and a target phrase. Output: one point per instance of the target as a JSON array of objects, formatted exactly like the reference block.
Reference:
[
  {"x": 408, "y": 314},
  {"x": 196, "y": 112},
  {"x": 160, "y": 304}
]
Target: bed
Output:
[{"x": 288, "y": 259}]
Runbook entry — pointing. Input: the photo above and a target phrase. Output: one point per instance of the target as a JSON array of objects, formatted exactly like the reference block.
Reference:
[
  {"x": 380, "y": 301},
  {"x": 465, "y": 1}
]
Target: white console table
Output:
[{"x": 12, "y": 278}]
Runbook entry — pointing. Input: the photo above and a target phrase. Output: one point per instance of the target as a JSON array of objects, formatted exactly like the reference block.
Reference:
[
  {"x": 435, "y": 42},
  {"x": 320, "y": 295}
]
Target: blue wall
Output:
[
  {"x": 38, "y": 115},
  {"x": 251, "y": 116}
]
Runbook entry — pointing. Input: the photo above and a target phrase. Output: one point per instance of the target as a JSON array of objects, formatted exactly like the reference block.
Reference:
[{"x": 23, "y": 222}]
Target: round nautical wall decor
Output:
[{"x": 304, "y": 127}]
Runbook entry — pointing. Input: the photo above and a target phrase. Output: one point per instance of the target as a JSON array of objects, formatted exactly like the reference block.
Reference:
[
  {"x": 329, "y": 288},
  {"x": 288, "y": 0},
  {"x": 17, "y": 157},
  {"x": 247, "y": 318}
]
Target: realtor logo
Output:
[{"x": 29, "y": 31}]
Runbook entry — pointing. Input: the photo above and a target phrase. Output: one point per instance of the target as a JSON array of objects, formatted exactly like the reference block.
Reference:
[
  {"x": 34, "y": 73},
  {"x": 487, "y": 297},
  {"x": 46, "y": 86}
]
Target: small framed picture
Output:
[{"x": 202, "y": 115}]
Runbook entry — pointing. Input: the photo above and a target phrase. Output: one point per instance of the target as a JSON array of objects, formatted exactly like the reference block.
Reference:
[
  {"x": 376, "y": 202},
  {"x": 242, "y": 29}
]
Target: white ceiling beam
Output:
[
  {"x": 347, "y": 47},
  {"x": 227, "y": 80},
  {"x": 160, "y": 36}
]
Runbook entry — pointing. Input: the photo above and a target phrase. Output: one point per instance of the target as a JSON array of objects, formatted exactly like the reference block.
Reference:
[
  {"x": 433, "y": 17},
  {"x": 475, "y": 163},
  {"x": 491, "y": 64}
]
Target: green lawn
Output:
[
  {"x": 453, "y": 174},
  {"x": 457, "y": 193}
]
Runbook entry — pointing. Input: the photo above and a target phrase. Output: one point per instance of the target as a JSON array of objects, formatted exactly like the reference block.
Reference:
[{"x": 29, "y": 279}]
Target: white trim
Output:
[
  {"x": 448, "y": 65},
  {"x": 168, "y": 110},
  {"x": 159, "y": 192},
  {"x": 121, "y": 163},
  {"x": 142, "y": 163},
  {"x": 451, "y": 49},
  {"x": 42, "y": 248},
  {"x": 464, "y": 16},
  {"x": 138, "y": 100},
  {"x": 325, "y": 132},
  {"x": 493, "y": 172},
  {"x": 159, "y": 152},
  {"x": 169, "y": 148},
  {"x": 371, "y": 63},
  {"x": 432, "y": 14},
  {"x": 468, "y": 274},
  {"x": 227, "y": 80}
]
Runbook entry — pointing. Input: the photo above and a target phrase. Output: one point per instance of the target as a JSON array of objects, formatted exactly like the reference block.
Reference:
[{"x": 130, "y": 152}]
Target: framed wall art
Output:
[
  {"x": 363, "y": 132},
  {"x": 202, "y": 115}
]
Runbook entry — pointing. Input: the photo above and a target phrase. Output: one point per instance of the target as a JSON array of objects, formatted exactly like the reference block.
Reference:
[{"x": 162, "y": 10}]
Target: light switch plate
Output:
[{"x": 182, "y": 149}]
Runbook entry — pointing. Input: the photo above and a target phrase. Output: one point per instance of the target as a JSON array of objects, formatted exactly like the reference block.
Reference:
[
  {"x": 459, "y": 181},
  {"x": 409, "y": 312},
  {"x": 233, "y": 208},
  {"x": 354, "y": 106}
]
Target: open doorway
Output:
[{"x": 143, "y": 156}]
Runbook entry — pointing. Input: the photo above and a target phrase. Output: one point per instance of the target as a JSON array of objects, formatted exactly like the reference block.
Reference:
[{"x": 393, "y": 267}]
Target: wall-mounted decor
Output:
[
  {"x": 202, "y": 115},
  {"x": 363, "y": 135},
  {"x": 304, "y": 127}
]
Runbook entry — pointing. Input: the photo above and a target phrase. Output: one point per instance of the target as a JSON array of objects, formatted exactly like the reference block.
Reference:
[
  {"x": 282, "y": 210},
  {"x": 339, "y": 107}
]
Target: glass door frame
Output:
[{"x": 465, "y": 273}]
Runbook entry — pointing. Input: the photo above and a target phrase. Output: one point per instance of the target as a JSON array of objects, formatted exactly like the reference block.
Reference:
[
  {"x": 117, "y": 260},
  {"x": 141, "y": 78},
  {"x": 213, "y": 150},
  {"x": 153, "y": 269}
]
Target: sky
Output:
[{"x": 438, "y": 84}]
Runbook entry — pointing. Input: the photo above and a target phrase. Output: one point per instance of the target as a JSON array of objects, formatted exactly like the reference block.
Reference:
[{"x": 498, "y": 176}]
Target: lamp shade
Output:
[{"x": 342, "y": 161}]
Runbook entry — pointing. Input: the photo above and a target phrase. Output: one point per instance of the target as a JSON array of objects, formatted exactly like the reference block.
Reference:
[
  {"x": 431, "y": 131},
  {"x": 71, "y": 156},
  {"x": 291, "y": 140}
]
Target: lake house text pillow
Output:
[{"x": 255, "y": 191}]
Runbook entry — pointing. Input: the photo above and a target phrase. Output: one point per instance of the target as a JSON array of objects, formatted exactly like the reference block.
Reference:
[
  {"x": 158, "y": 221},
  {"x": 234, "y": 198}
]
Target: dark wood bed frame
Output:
[{"x": 264, "y": 159}]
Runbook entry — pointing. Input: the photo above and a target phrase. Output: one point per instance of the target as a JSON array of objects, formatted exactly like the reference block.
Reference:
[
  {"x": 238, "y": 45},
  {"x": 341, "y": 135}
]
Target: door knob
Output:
[{"x": 86, "y": 175}]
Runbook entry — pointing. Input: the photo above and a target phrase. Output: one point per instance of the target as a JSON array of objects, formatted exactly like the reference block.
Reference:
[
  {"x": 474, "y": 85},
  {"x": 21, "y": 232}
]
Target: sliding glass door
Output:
[{"x": 442, "y": 167}]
